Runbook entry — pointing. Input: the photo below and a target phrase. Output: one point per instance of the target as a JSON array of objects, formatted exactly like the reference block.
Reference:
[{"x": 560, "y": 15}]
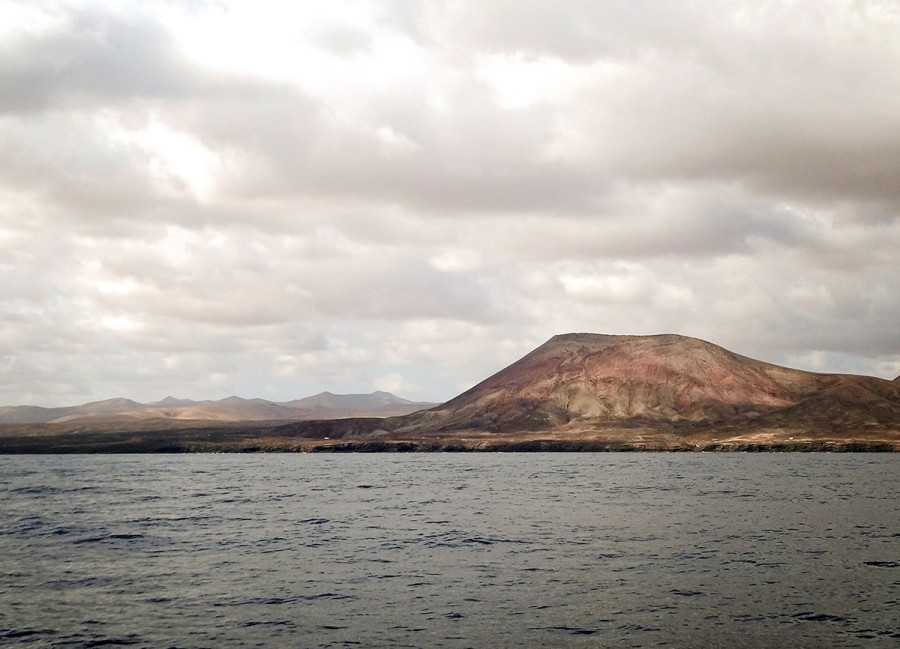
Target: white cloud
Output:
[
  {"x": 281, "y": 198},
  {"x": 625, "y": 286},
  {"x": 458, "y": 260},
  {"x": 176, "y": 161},
  {"x": 120, "y": 323},
  {"x": 397, "y": 384}
]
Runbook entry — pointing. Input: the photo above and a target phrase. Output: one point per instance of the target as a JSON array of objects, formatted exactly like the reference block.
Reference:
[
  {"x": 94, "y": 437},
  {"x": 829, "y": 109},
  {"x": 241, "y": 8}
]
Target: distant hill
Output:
[
  {"x": 320, "y": 406},
  {"x": 38, "y": 415},
  {"x": 326, "y": 405}
]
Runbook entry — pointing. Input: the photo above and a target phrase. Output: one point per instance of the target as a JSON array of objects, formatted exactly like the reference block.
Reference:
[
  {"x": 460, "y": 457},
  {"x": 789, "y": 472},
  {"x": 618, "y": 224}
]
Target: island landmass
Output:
[{"x": 576, "y": 392}]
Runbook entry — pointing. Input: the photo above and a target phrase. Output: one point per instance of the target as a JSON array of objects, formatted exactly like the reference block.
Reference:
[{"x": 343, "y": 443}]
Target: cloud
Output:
[
  {"x": 88, "y": 56},
  {"x": 215, "y": 197}
]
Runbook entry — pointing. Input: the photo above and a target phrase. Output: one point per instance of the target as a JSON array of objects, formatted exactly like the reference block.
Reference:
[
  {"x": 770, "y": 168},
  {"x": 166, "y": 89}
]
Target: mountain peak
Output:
[
  {"x": 613, "y": 339},
  {"x": 115, "y": 402}
]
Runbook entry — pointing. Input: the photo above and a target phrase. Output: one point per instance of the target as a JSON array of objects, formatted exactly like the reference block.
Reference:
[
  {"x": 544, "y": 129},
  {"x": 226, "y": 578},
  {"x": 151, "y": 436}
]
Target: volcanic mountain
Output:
[{"x": 582, "y": 382}]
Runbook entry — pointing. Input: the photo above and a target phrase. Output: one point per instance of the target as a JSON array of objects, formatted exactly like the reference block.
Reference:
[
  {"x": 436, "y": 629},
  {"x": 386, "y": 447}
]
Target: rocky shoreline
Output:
[
  {"x": 559, "y": 446},
  {"x": 274, "y": 439}
]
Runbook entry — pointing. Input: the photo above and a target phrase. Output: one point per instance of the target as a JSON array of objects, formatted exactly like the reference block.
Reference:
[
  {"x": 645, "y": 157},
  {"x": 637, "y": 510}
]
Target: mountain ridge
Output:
[
  {"x": 574, "y": 392},
  {"x": 232, "y": 408}
]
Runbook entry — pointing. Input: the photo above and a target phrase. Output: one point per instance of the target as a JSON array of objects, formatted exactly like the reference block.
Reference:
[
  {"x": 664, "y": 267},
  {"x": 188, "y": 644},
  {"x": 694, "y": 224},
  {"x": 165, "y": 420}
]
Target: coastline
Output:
[{"x": 368, "y": 436}]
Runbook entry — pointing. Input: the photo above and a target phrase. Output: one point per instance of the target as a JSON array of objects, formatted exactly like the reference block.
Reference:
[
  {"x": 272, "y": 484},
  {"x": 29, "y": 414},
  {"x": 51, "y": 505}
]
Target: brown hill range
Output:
[
  {"x": 320, "y": 406},
  {"x": 575, "y": 392}
]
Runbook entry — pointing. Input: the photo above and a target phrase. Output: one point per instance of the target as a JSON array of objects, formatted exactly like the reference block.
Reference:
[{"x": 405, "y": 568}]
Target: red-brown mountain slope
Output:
[{"x": 584, "y": 380}]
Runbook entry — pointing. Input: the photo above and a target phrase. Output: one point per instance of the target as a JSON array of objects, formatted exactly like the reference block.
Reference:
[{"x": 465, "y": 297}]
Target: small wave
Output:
[
  {"x": 325, "y": 596},
  {"x": 24, "y": 633},
  {"x": 819, "y": 617},
  {"x": 572, "y": 630},
  {"x": 85, "y": 582},
  {"x": 883, "y": 564},
  {"x": 279, "y": 601},
  {"x": 265, "y": 601},
  {"x": 35, "y": 490},
  {"x": 252, "y": 623},
  {"x": 109, "y": 537},
  {"x": 748, "y": 617},
  {"x": 111, "y": 642},
  {"x": 871, "y": 634},
  {"x": 458, "y": 538},
  {"x": 632, "y": 628}
]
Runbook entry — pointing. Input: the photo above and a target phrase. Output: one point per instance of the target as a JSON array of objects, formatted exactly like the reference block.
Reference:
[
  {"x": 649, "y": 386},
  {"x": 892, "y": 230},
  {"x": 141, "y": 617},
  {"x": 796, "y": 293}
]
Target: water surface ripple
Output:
[{"x": 450, "y": 550}]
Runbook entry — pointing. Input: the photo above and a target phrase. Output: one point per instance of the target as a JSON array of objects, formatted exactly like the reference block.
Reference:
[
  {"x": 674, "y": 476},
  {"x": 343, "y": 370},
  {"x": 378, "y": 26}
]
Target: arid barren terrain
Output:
[
  {"x": 230, "y": 409},
  {"x": 575, "y": 392}
]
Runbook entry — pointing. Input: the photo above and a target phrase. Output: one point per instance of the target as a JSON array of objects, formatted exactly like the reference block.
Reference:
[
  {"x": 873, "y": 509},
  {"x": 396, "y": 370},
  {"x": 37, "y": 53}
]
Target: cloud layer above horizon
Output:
[{"x": 203, "y": 198}]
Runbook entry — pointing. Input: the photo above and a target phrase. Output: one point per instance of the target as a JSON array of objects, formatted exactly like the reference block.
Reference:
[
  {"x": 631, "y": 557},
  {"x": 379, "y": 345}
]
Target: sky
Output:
[{"x": 272, "y": 199}]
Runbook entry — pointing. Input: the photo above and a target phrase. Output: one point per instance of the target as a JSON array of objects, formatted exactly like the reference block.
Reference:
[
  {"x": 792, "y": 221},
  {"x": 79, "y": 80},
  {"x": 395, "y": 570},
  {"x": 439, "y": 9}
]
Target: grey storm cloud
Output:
[{"x": 279, "y": 198}]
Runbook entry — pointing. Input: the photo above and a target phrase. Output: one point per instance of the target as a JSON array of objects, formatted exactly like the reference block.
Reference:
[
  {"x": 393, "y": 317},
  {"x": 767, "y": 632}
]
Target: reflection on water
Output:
[{"x": 467, "y": 550}]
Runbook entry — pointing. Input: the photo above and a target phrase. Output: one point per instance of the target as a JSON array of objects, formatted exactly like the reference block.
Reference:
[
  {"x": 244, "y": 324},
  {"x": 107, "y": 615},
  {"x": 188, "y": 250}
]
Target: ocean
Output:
[{"x": 450, "y": 550}]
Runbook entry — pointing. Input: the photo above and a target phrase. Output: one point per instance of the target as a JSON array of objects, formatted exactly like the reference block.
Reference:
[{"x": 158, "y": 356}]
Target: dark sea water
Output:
[{"x": 450, "y": 550}]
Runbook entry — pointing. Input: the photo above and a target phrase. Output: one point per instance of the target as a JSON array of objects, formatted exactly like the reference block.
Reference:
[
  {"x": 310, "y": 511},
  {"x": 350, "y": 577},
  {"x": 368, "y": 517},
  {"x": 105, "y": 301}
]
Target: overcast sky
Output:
[{"x": 272, "y": 199}]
